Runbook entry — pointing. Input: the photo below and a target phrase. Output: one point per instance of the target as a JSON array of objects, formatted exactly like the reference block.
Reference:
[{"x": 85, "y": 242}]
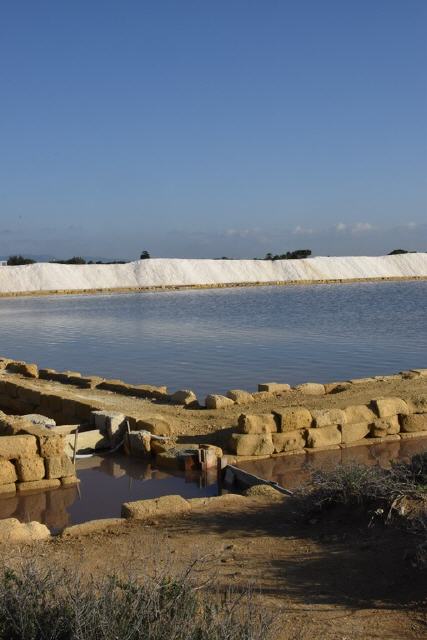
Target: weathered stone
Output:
[
  {"x": 262, "y": 423},
  {"x": 240, "y": 397},
  {"x": 357, "y": 381},
  {"x": 251, "y": 444},
  {"x": 216, "y": 401},
  {"x": 14, "y": 532},
  {"x": 337, "y": 387},
  {"x": 30, "y": 468},
  {"x": 274, "y": 387},
  {"x": 110, "y": 423},
  {"x": 58, "y": 467},
  {"x": 418, "y": 404},
  {"x": 359, "y": 413},
  {"x": 13, "y": 447},
  {"x": 324, "y": 437},
  {"x": 23, "y": 368},
  {"x": 263, "y": 491},
  {"x": 51, "y": 445},
  {"x": 384, "y": 427},
  {"x": 7, "y": 472},
  {"x": 139, "y": 391},
  {"x": 420, "y": 372},
  {"x": 311, "y": 388},
  {"x": 414, "y": 422},
  {"x": 138, "y": 443},
  {"x": 148, "y": 509},
  {"x": 157, "y": 425},
  {"x": 288, "y": 441},
  {"x": 91, "y": 526},
  {"x": 291, "y": 418},
  {"x": 354, "y": 431},
  {"x": 385, "y": 407},
  {"x": 8, "y": 489},
  {"x": 326, "y": 417},
  {"x": 37, "y": 485},
  {"x": 69, "y": 481},
  {"x": 39, "y": 420},
  {"x": 184, "y": 397},
  {"x": 264, "y": 396}
]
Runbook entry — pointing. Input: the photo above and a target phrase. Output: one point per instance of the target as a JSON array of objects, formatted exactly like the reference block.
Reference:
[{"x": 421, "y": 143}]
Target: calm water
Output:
[{"x": 214, "y": 340}]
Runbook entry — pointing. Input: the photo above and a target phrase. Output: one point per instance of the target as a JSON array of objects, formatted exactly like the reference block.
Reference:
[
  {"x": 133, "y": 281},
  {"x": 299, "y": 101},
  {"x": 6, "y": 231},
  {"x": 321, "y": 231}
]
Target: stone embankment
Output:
[{"x": 176, "y": 273}]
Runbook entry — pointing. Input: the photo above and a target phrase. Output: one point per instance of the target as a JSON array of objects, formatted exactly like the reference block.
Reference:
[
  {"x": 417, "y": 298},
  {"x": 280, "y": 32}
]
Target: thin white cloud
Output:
[
  {"x": 340, "y": 227},
  {"x": 362, "y": 227},
  {"x": 302, "y": 231}
]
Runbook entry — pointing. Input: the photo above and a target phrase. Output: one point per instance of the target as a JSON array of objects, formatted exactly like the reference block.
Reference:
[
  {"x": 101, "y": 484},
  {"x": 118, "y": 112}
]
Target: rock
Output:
[
  {"x": 148, "y": 509},
  {"x": 69, "y": 481},
  {"x": 354, "y": 431},
  {"x": 251, "y": 444},
  {"x": 157, "y": 425},
  {"x": 385, "y": 407},
  {"x": 86, "y": 441},
  {"x": 414, "y": 422},
  {"x": 13, "y": 447},
  {"x": 58, "y": 467},
  {"x": 291, "y": 418},
  {"x": 185, "y": 397},
  {"x": 263, "y": 491},
  {"x": 356, "y": 381},
  {"x": 30, "y": 468},
  {"x": 240, "y": 397},
  {"x": 420, "y": 372},
  {"x": 262, "y": 423},
  {"x": 7, "y": 472},
  {"x": 91, "y": 526},
  {"x": 138, "y": 443},
  {"x": 109, "y": 423},
  {"x": 8, "y": 489},
  {"x": 337, "y": 387},
  {"x": 359, "y": 413},
  {"x": 384, "y": 427},
  {"x": 175, "y": 457},
  {"x": 324, "y": 437},
  {"x": 23, "y": 368},
  {"x": 37, "y": 485},
  {"x": 326, "y": 417},
  {"x": 274, "y": 387},
  {"x": 263, "y": 396},
  {"x": 14, "y": 532},
  {"x": 215, "y": 401},
  {"x": 38, "y": 419},
  {"x": 418, "y": 404},
  {"x": 288, "y": 441},
  {"x": 311, "y": 388}
]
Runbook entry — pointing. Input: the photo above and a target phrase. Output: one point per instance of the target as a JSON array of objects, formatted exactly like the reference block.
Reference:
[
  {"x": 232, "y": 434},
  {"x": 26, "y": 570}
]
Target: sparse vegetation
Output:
[
  {"x": 299, "y": 254},
  {"x": 14, "y": 261},
  {"x": 145, "y": 255}
]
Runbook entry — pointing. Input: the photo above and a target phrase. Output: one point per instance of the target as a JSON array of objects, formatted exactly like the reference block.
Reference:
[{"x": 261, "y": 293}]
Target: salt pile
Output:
[{"x": 165, "y": 272}]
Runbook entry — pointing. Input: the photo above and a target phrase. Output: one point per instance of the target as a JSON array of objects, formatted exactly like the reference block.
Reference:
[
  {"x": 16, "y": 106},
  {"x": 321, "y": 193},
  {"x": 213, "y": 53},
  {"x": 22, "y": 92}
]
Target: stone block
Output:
[
  {"x": 385, "y": 407},
  {"x": 23, "y": 368},
  {"x": 37, "y": 485},
  {"x": 138, "y": 443},
  {"x": 264, "y": 396},
  {"x": 14, "y": 532},
  {"x": 274, "y": 387},
  {"x": 13, "y": 447},
  {"x": 184, "y": 397},
  {"x": 291, "y": 418},
  {"x": 216, "y": 401},
  {"x": 384, "y": 427},
  {"x": 58, "y": 467},
  {"x": 323, "y": 437},
  {"x": 358, "y": 381},
  {"x": 418, "y": 404},
  {"x": 90, "y": 527},
  {"x": 8, "y": 490},
  {"x": 157, "y": 425},
  {"x": 39, "y": 420},
  {"x": 86, "y": 441},
  {"x": 148, "y": 509},
  {"x": 354, "y": 431},
  {"x": 110, "y": 423},
  {"x": 239, "y": 396},
  {"x": 262, "y": 423},
  {"x": 30, "y": 468},
  {"x": 326, "y": 417},
  {"x": 7, "y": 472},
  {"x": 359, "y": 413},
  {"x": 288, "y": 441},
  {"x": 69, "y": 481},
  {"x": 51, "y": 445},
  {"x": 311, "y": 388},
  {"x": 251, "y": 444},
  {"x": 337, "y": 387},
  {"x": 413, "y": 422}
]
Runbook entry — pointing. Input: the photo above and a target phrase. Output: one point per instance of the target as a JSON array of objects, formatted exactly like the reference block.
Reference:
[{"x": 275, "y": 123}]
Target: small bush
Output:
[{"x": 38, "y": 604}]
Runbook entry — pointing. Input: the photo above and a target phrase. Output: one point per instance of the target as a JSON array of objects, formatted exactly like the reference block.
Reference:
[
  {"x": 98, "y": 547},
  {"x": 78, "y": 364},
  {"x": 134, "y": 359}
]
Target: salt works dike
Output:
[{"x": 164, "y": 273}]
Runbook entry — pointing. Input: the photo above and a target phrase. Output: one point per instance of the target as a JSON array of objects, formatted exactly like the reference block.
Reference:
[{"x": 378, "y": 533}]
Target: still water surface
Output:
[{"x": 214, "y": 340}]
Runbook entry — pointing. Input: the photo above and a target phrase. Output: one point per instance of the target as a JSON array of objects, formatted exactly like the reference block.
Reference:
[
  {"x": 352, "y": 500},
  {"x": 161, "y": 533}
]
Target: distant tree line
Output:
[
  {"x": 299, "y": 254},
  {"x": 14, "y": 261}
]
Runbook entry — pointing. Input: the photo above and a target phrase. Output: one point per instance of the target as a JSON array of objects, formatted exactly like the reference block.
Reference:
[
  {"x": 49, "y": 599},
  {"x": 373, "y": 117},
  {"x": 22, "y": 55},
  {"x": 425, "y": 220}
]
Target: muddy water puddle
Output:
[
  {"x": 105, "y": 483},
  {"x": 294, "y": 470}
]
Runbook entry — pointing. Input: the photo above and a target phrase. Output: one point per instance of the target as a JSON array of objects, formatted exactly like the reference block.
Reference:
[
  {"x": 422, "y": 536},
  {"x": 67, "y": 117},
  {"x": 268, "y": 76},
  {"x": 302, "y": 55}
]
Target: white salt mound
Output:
[{"x": 158, "y": 272}]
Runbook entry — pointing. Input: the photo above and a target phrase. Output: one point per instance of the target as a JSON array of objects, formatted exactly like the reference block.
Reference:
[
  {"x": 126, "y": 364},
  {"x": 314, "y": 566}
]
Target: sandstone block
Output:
[
  {"x": 323, "y": 437},
  {"x": 110, "y": 423},
  {"x": 288, "y": 441},
  {"x": 291, "y": 418},
  {"x": 157, "y": 425},
  {"x": 240, "y": 397},
  {"x": 384, "y": 427},
  {"x": 326, "y": 417},
  {"x": 86, "y": 441},
  {"x": 337, "y": 387},
  {"x": 37, "y": 485},
  {"x": 69, "y": 481},
  {"x": 354, "y": 431},
  {"x": 7, "y": 472},
  {"x": 359, "y": 413},
  {"x": 385, "y": 407},
  {"x": 92, "y": 526},
  {"x": 418, "y": 404},
  {"x": 58, "y": 467},
  {"x": 138, "y": 443},
  {"x": 311, "y": 388},
  {"x": 251, "y": 444},
  {"x": 263, "y": 396},
  {"x": 414, "y": 422},
  {"x": 357, "y": 381},
  {"x": 14, "y": 532},
  {"x": 8, "y": 489},
  {"x": 184, "y": 397},
  {"x": 13, "y": 447},
  {"x": 30, "y": 468},
  {"x": 51, "y": 445},
  {"x": 147, "y": 509},
  {"x": 23, "y": 368},
  {"x": 274, "y": 387},
  {"x": 216, "y": 401},
  {"x": 262, "y": 423}
]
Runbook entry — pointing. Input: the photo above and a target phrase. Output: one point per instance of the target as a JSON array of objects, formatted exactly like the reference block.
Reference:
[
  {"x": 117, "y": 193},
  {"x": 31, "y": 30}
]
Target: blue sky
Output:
[{"x": 202, "y": 129}]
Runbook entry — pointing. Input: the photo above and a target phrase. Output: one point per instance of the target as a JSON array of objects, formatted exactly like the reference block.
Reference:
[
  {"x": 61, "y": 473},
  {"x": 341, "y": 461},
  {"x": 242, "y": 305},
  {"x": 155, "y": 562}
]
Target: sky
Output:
[{"x": 205, "y": 129}]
